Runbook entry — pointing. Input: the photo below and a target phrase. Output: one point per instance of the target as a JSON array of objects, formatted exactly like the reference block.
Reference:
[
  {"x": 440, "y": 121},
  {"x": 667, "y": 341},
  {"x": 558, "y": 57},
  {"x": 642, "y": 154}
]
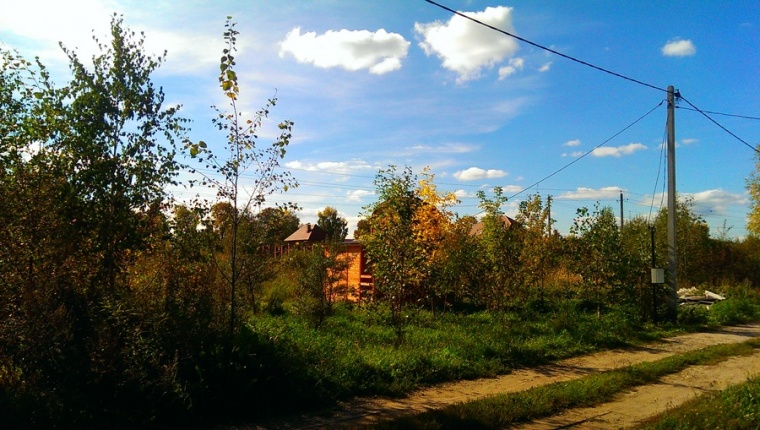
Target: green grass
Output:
[
  {"x": 354, "y": 353},
  {"x": 736, "y": 407},
  {"x": 507, "y": 409}
]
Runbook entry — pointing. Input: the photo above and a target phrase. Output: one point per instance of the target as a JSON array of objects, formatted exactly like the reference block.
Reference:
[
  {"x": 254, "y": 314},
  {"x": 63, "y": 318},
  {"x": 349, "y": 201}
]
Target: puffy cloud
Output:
[
  {"x": 379, "y": 52},
  {"x": 466, "y": 47},
  {"x": 716, "y": 201},
  {"x": 679, "y": 48},
  {"x": 475, "y": 173},
  {"x": 545, "y": 67},
  {"x": 460, "y": 194},
  {"x": 571, "y": 143},
  {"x": 618, "y": 151},
  {"x": 358, "y": 195},
  {"x": 689, "y": 141},
  {"x": 583, "y": 193},
  {"x": 515, "y": 64}
]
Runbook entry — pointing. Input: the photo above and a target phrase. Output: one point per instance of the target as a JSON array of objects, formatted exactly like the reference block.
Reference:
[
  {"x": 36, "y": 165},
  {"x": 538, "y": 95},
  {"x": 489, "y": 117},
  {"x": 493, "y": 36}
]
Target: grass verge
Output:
[
  {"x": 736, "y": 407},
  {"x": 507, "y": 409}
]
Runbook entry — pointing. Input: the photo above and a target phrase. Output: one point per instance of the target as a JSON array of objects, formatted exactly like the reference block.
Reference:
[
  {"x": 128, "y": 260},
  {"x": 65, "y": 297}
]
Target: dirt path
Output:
[
  {"x": 366, "y": 411},
  {"x": 631, "y": 408}
]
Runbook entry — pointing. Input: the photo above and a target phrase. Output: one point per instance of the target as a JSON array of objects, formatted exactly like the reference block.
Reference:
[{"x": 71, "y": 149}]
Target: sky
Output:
[{"x": 374, "y": 83}]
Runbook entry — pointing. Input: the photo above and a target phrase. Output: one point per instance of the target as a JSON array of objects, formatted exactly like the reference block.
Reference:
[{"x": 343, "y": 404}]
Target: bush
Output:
[{"x": 693, "y": 315}]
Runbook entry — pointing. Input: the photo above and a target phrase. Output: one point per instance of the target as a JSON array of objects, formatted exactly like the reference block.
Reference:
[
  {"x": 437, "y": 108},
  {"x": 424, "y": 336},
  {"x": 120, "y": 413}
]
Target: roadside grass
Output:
[
  {"x": 355, "y": 353},
  {"x": 737, "y": 407},
  {"x": 507, "y": 409}
]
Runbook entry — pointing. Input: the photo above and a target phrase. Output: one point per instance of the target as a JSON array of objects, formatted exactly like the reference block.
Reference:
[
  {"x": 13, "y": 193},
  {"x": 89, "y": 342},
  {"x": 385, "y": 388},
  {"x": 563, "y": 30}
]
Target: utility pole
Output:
[
  {"x": 672, "y": 256},
  {"x": 549, "y": 214},
  {"x": 621, "y": 211}
]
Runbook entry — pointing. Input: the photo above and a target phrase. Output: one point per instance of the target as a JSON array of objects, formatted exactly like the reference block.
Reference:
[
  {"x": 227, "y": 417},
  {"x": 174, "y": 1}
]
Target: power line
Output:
[
  {"x": 716, "y": 123},
  {"x": 590, "y": 151},
  {"x": 720, "y": 113},
  {"x": 601, "y": 69}
]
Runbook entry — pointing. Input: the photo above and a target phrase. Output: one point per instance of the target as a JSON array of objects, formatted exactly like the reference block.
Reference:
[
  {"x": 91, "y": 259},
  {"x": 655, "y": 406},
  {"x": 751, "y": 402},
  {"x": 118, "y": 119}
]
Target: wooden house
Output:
[{"x": 357, "y": 282}]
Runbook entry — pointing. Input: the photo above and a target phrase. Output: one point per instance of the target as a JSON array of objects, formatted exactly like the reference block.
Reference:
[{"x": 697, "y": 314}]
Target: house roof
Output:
[
  {"x": 307, "y": 233},
  {"x": 477, "y": 229}
]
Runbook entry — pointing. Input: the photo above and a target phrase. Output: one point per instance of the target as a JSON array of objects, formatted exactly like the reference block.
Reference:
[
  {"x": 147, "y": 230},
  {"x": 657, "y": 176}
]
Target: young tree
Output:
[
  {"x": 396, "y": 261},
  {"x": 499, "y": 246},
  {"x": 598, "y": 253},
  {"x": 432, "y": 225},
  {"x": 244, "y": 156},
  {"x": 335, "y": 227},
  {"x": 753, "y": 187},
  {"x": 118, "y": 144},
  {"x": 321, "y": 279},
  {"x": 536, "y": 244}
]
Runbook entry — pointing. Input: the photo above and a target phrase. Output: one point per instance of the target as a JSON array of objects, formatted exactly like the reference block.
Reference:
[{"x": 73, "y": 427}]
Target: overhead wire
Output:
[
  {"x": 545, "y": 48},
  {"x": 721, "y": 113},
  {"x": 590, "y": 151},
  {"x": 719, "y": 125},
  {"x": 660, "y": 168}
]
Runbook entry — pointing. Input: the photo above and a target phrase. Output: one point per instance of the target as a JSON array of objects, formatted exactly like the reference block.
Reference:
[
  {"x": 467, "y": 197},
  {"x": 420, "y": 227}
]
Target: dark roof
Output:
[
  {"x": 478, "y": 228},
  {"x": 307, "y": 233}
]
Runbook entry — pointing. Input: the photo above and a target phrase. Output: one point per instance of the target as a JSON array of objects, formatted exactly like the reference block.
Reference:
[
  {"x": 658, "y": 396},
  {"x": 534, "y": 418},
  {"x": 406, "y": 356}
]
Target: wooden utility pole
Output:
[
  {"x": 672, "y": 256},
  {"x": 549, "y": 215},
  {"x": 621, "y": 211}
]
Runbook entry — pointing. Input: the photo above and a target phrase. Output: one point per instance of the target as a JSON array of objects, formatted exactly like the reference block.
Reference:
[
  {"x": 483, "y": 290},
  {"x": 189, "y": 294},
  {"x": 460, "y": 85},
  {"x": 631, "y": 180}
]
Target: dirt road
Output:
[{"x": 366, "y": 411}]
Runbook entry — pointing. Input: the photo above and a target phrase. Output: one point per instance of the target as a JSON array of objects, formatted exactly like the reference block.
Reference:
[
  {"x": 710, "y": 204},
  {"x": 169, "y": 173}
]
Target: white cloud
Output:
[
  {"x": 716, "y": 201},
  {"x": 466, "y": 47},
  {"x": 572, "y": 143},
  {"x": 475, "y": 173},
  {"x": 515, "y": 64},
  {"x": 340, "y": 167},
  {"x": 460, "y": 194},
  {"x": 679, "y": 48},
  {"x": 618, "y": 151},
  {"x": 379, "y": 52},
  {"x": 445, "y": 148},
  {"x": 358, "y": 195},
  {"x": 573, "y": 154},
  {"x": 545, "y": 67},
  {"x": 583, "y": 193},
  {"x": 689, "y": 141}
]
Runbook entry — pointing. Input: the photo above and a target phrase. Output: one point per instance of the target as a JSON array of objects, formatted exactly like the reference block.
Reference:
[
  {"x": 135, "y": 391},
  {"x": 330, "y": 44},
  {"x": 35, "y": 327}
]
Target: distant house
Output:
[
  {"x": 358, "y": 279},
  {"x": 477, "y": 229},
  {"x": 307, "y": 233}
]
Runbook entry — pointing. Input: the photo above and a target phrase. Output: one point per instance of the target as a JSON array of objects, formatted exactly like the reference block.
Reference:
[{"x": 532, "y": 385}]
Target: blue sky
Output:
[{"x": 378, "y": 82}]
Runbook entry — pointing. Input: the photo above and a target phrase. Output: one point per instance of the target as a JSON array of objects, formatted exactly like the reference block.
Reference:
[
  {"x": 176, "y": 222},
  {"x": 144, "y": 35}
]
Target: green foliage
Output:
[
  {"x": 397, "y": 262},
  {"x": 335, "y": 227},
  {"x": 320, "y": 279},
  {"x": 753, "y": 187},
  {"x": 243, "y": 156}
]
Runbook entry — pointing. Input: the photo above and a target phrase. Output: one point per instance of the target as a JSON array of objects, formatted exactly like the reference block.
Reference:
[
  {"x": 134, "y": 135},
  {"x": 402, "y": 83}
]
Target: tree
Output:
[
  {"x": 536, "y": 243},
  {"x": 118, "y": 144},
  {"x": 335, "y": 227},
  {"x": 396, "y": 261},
  {"x": 275, "y": 224},
  {"x": 753, "y": 187},
  {"x": 598, "y": 253},
  {"x": 499, "y": 248},
  {"x": 321, "y": 279},
  {"x": 244, "y": 156},
  {"x": 432, "y": 224}
]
